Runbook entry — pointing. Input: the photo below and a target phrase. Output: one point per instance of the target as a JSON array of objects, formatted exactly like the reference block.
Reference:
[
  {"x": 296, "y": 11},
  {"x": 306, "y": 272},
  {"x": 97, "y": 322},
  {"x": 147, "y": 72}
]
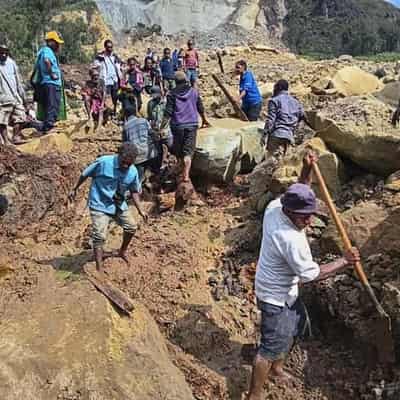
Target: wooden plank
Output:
[
  {"x": 103, "y": 285},
  {"x": 220, "y": 62},
  {"x": 234, "y": 103}
]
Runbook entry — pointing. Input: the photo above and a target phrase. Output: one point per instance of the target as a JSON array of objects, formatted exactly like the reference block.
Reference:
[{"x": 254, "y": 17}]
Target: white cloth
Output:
[
  {"x": 285, "y": 259},
  {"x": 111, "y": 75},
  {"x": 11, "y": 90}
]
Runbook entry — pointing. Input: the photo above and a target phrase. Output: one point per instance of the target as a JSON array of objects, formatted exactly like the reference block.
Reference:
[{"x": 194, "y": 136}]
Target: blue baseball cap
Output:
[{"x": 300, "y": 199}]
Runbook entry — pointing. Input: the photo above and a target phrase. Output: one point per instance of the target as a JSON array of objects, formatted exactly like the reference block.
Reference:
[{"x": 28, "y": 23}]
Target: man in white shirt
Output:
[
  {"x": 110, "y": 71},
  {"x": 285, "y": 260},
  {"x": 12, "y": 97}
]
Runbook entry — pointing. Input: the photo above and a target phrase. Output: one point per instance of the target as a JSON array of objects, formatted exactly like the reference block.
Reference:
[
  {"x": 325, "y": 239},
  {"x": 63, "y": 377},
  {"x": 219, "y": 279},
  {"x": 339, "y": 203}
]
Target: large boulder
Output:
[
  {"x": 272, "y": 177},
  {"x": 390, "y": 94},
  {"x": 223, "y": 148},
  {"x": 331, "y": 166},
  {"x": 359, "y": 129},
  {"x": 369, "y": 227},
  {"x": 71, "y": 343},
  {"x": 353, "y": 81}
]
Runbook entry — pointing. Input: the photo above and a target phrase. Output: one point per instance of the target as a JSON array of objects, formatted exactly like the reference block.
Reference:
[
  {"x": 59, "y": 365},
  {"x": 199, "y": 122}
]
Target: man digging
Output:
[
  {"x": 285, "y": 260},
  {"x": 112, "y": 177}
]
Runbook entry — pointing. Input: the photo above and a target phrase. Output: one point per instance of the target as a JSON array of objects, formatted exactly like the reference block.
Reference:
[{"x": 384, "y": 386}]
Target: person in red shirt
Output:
[{"x": 191, "y": 63}]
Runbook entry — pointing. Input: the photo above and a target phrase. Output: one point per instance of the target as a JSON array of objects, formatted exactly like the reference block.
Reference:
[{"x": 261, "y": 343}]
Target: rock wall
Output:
[{"x": 194, "y": 15}]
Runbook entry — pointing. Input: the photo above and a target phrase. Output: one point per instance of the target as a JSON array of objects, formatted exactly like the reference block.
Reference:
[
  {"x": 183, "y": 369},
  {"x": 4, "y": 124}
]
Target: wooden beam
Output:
[
  {"x": 103, "y": 285},
  {"x": 220, "y": 62},
  {"x": 236, "y": 106}
]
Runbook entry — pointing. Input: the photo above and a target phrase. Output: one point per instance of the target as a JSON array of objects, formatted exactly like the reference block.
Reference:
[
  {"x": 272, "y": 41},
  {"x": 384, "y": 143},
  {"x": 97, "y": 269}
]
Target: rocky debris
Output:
[
  {"x": 35, "y": 189},
  {"x": 359, "y": 129},
  {"x": 362, "y": 229},
  {"x": 79, "y": 346},
  {"x": 332, "y": 168},
  {"x": 393, "y": 182},
  {"x": 272, "y": 177},
  {"x": 223, "y": 148}
]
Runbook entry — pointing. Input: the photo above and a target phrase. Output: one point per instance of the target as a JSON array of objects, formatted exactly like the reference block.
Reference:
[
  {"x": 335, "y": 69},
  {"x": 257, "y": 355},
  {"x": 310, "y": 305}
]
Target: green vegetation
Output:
[
  {"x": 23, "y": 24},
  {"x": 334, "y": 27}
]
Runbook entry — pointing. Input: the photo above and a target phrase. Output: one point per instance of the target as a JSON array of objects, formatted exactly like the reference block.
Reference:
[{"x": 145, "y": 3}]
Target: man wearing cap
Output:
[
  {"x": 50, "y": 80},
  {"x": 285, "y": 260},
  {"x": 12, "y": 97},
  {"x": 184, "y": 104}
]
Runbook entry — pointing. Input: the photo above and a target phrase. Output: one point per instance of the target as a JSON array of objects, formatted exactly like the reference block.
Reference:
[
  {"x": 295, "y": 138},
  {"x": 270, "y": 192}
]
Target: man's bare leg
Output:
[
  {"x": 278, "y": 372},
  {"x": 187, "y": 164},
  {"x": 4, "y": 136},
  {"x": 126, "y": 240},
  {"x": 17, "y": 136},
  {"x": 98, "y": 257},
  {"x": 258, "y": 378}
]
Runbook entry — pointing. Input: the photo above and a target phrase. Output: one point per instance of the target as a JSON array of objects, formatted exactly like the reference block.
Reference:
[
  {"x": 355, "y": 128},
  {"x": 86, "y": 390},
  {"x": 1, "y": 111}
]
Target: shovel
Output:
[{"x": 382, "y": 325}]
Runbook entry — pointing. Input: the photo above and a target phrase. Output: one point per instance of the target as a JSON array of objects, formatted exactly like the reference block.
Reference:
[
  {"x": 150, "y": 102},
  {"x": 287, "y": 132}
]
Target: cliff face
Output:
[
  {"x": 194, "y": 15},
  {"x": 322, "y": 26}
]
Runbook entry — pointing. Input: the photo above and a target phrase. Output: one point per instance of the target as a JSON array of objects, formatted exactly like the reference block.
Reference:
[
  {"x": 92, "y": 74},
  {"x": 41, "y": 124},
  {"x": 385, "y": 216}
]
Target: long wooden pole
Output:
[
  {"x": 234, "y": 103},
  {"x": 345, "y": 238}
]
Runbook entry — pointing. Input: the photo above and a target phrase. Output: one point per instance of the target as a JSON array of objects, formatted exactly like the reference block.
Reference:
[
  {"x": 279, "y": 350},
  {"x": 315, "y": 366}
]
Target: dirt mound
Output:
[
  {"x": 34, "y": 189},
  {"x": 72, "y": 344}
]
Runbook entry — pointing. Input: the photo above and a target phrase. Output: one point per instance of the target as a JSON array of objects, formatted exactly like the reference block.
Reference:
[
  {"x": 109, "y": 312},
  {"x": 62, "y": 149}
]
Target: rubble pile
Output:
[{"x": 35, "y": 190}]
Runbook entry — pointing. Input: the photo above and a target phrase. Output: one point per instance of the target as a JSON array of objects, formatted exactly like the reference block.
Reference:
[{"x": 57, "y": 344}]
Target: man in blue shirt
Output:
[
  {"x": 249, "y": 95},
  {"x": 50, "y": 81},
  {"x": 112, "y": 177},
  {"x": 167, "y": 71}
]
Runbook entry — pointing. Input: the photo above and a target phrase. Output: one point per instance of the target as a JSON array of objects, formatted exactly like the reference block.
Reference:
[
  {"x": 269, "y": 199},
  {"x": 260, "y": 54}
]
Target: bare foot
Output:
[
  {"x": 116, "y": 254},
  {"x": 282, "y": 377}
]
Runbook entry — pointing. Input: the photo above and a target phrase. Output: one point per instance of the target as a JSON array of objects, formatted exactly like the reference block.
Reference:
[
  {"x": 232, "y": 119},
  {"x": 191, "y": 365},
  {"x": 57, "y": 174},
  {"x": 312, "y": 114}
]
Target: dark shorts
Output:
[
  {"x": 279, "y": 327},
  {"x": 277, "y": 146},
  {"x": 252, "y": 111},
  {"x": 184, "y": 141}
]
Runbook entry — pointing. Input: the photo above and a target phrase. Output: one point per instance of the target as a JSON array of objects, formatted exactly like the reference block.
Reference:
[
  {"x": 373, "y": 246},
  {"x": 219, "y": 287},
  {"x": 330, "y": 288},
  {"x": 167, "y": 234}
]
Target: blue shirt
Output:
[
  {"x": 107, "y": 180},
  {"x": 284, "y": 114},
  {"x": 167, "y": 68},
  {"x": 47, "y": 52},
  {"x": 249, "y": 84}
]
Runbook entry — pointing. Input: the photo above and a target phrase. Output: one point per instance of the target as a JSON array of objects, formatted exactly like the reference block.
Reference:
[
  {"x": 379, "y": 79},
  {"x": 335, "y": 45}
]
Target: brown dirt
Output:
[{"x": 193, "y": 269}]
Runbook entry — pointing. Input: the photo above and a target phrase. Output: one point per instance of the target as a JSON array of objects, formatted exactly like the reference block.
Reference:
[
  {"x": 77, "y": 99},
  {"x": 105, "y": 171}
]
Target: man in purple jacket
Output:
[{"x": 182, "y": 109}]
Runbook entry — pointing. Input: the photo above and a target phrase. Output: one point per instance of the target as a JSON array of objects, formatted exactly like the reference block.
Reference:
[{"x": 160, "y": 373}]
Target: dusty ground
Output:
[
  {"x": 193, "y": 270},
  {"x": 173, "y": 264}
]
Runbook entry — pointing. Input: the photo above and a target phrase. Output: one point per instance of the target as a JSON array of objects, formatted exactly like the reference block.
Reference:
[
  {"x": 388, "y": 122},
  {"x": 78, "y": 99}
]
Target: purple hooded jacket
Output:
[{"x": 183, "y": 106}]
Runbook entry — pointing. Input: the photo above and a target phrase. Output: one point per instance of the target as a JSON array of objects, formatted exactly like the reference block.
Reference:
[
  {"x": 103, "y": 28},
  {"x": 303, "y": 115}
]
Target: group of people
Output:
[
  {"x": 285, "y": 257},
  {"x": 46, "y": 79},
  {"x": 114, "y": 80}
]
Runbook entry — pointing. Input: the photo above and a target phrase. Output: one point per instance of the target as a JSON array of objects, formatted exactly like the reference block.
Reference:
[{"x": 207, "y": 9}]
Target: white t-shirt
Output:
[{"x": 285, "y": 259}]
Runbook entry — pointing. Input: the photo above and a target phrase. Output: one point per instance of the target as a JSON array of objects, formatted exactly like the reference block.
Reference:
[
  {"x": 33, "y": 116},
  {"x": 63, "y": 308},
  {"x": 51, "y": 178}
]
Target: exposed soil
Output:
[
  {"x": 193, "y": 269},
  {"x": 173, "y": 264}
]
